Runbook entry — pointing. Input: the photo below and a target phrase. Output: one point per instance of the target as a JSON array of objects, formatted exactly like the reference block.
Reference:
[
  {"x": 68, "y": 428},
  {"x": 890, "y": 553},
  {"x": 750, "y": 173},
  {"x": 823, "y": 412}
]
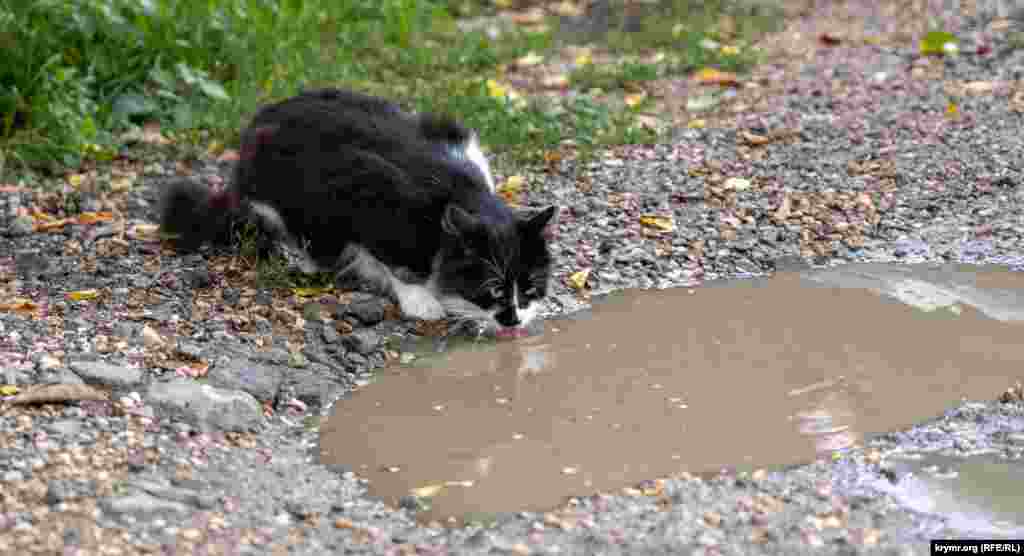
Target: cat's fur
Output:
[{"x": 405, "y": 201}]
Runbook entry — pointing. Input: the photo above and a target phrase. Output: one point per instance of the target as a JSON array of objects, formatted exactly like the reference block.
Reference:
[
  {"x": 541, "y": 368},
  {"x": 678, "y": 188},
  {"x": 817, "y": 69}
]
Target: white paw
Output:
[{"x": 418, "y": 303}]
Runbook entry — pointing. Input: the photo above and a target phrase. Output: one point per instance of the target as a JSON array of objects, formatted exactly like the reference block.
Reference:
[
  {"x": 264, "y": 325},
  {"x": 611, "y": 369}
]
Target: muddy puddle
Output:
[{"x": 739, "y": 374}]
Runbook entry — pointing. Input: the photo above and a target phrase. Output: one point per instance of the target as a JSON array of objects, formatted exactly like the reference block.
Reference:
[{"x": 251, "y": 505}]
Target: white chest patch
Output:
[{"x": 476, "y": 156}]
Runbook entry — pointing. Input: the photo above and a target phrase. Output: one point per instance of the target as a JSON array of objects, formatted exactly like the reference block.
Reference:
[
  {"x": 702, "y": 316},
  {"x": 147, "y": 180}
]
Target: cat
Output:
[{"x": 403, "y": 201}]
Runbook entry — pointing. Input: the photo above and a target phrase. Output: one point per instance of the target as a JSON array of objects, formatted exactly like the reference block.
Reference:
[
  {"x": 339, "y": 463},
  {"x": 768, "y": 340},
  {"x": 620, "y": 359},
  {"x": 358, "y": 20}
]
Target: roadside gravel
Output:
[{"x": 849, "y": 154}]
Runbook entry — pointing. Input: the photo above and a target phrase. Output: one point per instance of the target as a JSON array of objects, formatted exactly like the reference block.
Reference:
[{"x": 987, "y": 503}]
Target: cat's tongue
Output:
[{"x": 511, "y": 332}]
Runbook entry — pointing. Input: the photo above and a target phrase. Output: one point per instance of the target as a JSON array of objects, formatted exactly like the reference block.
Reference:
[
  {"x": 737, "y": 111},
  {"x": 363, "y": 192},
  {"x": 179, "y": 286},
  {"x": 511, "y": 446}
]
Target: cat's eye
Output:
[{"x": 497, "y": 292}]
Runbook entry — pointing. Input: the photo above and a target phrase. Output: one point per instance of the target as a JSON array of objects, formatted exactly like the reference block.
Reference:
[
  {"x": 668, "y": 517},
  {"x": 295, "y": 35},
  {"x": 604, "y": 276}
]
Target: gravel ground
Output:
[{"x": 841, "y": 152}]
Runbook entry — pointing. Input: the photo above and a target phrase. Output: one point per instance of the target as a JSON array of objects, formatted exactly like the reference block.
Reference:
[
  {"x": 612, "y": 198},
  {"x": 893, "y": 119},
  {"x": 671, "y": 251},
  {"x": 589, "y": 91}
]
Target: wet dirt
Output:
[{"x": 735, "y": 374}]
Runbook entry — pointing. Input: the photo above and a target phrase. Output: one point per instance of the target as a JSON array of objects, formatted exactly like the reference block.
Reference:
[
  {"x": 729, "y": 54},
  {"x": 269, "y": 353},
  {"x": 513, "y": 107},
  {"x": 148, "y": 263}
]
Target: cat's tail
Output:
[{"x": 193, "y": 214}]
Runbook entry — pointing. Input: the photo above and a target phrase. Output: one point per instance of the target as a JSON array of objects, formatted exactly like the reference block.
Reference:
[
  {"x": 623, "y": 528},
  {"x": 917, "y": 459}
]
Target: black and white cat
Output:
[{"x": 404, "y": 201}]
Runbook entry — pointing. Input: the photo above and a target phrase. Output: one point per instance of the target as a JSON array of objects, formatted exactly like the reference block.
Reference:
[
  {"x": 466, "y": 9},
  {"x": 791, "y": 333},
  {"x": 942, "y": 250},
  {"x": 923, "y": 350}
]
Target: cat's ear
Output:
[
  {"x": 537, "y": 223},
  {"x": 458, "y": 222}
]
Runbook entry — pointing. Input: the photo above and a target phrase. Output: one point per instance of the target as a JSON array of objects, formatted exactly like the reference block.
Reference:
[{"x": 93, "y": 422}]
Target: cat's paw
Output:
[{"x": 417, "y": 302}]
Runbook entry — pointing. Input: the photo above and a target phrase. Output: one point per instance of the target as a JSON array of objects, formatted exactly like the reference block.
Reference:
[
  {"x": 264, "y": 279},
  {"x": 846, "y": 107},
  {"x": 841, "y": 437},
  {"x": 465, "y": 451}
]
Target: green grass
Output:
[{"x": 77, "y": 74}]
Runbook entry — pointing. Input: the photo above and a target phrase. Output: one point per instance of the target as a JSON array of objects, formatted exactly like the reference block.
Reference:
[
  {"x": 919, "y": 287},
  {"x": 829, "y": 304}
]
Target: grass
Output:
[{"x": 78, "y": 74}]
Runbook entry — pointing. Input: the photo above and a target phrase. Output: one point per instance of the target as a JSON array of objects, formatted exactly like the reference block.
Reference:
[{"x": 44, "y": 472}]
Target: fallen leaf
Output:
[
  {"x": 148, "y": 232},
  {"x": 57, "y": 393},
  {"x": 83, "y": 295},
  {"x": 531, "y": 59},
  {"x": 76, "y": 180},
  {"x": 496, "y": 90},
  {"x": 952, "y": 110},
  {"x": 510, "y": 189},
  {"x": 122, "y": 183},
  {"x": 215, "y": 148},
  {"x": 311, "y": 292},
  {"x": 150, "y": 337},
  {"x": 730, "y": 50},
  {"x": 662, "y": 223},
  {"x": 559, "y": 81},
  {"x": 938, "y": 43},
  {"x": 584, "y": 58},
  {"x": 428, "y": 491},
  {"x": 697, "y": 124},
  {"x": 754, "y": 139},
  {"x": 19, "y": 306},
  {"x": 635, "y": 98},
  {"x": 567, "y": 9},
  {"x": 578, "y": 280},
  {"x": 53, "y": 225},
  {"x": 979, "y": 87},
  {"x": 93, "y": 217},
  {"x": 830, "y": 39},
  {"x": 712, "y": 76},
  {"x": 737, "y": 184},
  {"x": 9, "y": 390},
  {"x": 528, "y": 17}
]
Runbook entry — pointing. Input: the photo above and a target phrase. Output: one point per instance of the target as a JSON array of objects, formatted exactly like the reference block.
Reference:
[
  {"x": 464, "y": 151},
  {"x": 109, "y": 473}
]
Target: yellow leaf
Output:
[
  {"x": 76, "y": 180},
  {"x": 635, "y": 98},
  {"x": 662, "y": 223},
  {"x": 83, "y": 295},
  {"x": 93, "y": 217},
  {"x": 310, "y": 292},
  {"x": 711, "y": 76},
  {"x": 8, "y": 390},
  {"x": 495, "y": 89},
  {"x": 144, "y": 231},
  {"x": 578, "y": 280},
  {"x": 531, "y": 59},
  {"x": 123, "y": 183},
  {"x": 584, "y": 58},
  {"x": 697, "y": 124},
  {"x": 510, "y": 189},
  {"x": 427, "y": 491},
  {"x": 215, "y": 148},
  {"x": 730, "y": 50},
  {"x": 568, "y": 9},
  {"x": 938, "y": 43},
  {"x": 952, "y": 110}
]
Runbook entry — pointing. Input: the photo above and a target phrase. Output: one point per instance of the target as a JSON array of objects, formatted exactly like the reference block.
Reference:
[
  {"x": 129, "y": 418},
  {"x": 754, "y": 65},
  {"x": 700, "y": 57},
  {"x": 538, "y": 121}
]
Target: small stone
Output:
[
  {"x": 369, "y": 311},
  {"x": 330, "y": 335},
  {"x": 362, "y": 341}
]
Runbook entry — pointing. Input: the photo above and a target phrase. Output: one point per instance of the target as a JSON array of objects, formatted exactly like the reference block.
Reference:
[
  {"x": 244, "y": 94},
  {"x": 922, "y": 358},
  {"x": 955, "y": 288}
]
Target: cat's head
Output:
[{"x": 495, "y": 266}]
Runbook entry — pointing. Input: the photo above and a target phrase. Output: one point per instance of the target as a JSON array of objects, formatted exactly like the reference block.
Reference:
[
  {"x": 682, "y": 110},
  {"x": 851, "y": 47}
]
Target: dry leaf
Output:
[
  {"x": 567, "y": 9},
  {"x": 737, "y": 184},
  {"x": 52, "y": 225},
  {"x": 697, "y": 124},
  {"x": 754, "y": 139},
  {"x": 93, "y": 217},
  {"x": 310, "y": 292},
  {"x": 979, "y": 87},
  {"x": 123, "y": 183},
  {"x": 559, "y": 81},
  {"x": 150, "y": 338},
  {"x": 510, "y": 189},
  {"x": 9, "y": 390},
  {"x": 56, "y": 393},
  {"x": 578, "y": 280},
  {"x": 147, "y": 232},
  {"x": 76, "y": 180},
  {"x": 661, "y": 223},
  {"x": 19, "y": 306},
  {"x": 635, "y": 98},
  {"x": 830, "y": 39},
  {"x": 711, "y": 76},
  {"x": 529, "y": 17},
  {"x": 427, "y": 491},
  {"x": 531, "y": 59},
  {"x": 83, "y": 295}
]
